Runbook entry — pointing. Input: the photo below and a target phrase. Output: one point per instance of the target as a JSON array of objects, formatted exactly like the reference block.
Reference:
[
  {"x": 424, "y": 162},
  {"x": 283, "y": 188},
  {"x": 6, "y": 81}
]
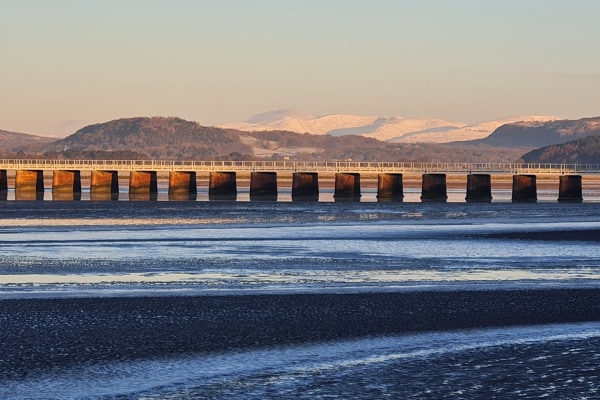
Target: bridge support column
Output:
[
  {"x": 143, "y": 185},
  {"x": 66, "y": 185},
  {"x": 347, "y": 187},
  {"x": 479, "y": 188},
  {"x": 222, "y": 186},
  {"x": 524, "y": 189},
  {"x": 570, "y": 189},
  {"x": 104, "y": 185},
  {"x": 305, "y": 186},
  {"x": 29, "y": 185},
  {"x": 389, "y": 187},
  {"x": 3, "y": 184},
  {"x": 182, "y": 185},
  {"x": 263, "y": 186},
  {"x": 433, "y": 188}
]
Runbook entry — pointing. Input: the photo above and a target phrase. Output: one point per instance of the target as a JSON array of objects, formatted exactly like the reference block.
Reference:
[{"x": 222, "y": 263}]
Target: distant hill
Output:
[
  {"x": 178, "y": 139},
  {"x": 158, "y": 137},
  {"x": 307, "y": 147},
  {"x": 175, "y": 138},
  {"x": 15, "y": 142},
  {"x": 582, "y": 151},
  {"x": 391, "y": 129},
  {"x": 539, "y": 134},
  {"x": 477, "y": 131}
]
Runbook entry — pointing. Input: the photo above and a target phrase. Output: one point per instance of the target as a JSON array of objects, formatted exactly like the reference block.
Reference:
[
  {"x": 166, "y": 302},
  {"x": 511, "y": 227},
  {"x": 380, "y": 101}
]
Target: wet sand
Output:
[
  {"x": 41, "y": 334},
  {"x": 578, "y": 235}
]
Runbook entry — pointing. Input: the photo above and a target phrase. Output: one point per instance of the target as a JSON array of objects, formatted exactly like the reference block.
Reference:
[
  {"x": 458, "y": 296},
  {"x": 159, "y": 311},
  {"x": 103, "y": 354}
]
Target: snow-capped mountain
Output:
[
  {"x": 468, "y": 132},
  {"x": 391, "y": 129}
]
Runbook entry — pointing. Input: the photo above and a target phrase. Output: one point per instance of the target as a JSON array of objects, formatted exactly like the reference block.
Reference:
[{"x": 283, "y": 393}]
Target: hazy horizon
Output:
[{"x": 68, "y": 64}]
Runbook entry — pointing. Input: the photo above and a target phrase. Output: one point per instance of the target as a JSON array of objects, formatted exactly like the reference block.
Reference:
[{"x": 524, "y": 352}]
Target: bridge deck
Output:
[{"x": 302, "y": 166}]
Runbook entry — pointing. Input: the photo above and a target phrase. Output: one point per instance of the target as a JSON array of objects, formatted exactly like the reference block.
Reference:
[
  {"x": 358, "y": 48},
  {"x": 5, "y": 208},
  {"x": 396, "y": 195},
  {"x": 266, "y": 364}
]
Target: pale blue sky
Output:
[{"x": 68, "y": 63}]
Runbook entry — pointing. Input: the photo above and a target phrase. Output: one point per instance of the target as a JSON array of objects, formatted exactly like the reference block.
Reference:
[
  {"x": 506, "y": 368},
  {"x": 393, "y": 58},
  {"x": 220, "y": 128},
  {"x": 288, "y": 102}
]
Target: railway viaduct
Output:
[{"x": 223, "y": 176}]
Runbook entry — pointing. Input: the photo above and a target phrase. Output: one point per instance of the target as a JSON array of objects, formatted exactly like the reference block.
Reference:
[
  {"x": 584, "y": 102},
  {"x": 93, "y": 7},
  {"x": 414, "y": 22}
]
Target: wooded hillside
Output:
[
  {"x": 539, "y": 134},
  {"x": 582, "y": 151},
  {"x": 157, "y": 137}
]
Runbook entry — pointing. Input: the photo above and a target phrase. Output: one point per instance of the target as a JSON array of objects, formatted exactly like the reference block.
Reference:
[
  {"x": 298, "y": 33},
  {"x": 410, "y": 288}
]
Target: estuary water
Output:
[{"x": 61, "y": 260}]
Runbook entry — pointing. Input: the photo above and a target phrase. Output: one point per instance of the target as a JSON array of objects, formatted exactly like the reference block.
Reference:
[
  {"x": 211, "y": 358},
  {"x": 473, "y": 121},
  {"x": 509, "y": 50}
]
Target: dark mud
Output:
[{"x": 40, "y": 334}]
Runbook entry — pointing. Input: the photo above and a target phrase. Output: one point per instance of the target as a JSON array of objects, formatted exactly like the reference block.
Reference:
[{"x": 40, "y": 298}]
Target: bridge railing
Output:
[{"x": 301, "y": 166}]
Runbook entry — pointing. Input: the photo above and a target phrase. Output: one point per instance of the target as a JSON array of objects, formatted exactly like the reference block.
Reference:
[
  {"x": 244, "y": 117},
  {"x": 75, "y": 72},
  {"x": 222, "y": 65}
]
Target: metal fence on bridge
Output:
[{"x": 301, "y": 166}]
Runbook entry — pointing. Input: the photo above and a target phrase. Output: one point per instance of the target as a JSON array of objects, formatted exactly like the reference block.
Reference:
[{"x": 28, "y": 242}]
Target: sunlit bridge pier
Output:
[{"x": 29, "y": 179}]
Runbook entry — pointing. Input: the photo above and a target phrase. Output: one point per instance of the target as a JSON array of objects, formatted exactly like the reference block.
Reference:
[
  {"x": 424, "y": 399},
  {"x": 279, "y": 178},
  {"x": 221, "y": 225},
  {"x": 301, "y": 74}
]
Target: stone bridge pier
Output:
[
  {"x": 305, "y": 186},
  {"x": 3, "y": 184},
  {"x": 570, "y": 189},
  {"x": 29, "y": 185},
  {"x": 347, "y": 187},
  {"x": 479, "y": 188},
  {"x": 222, "y": 186},
  {"x": 143, "y": 186},
  {"x": 104, "y": 185},
  {"x": 390, "y": 187},
  {"x": 263, "y": 186},
  {"x": 66, "y": 185},
  {"x": 182, "y": 186},
  {"x": 524, "y": 189},
  {"x": 434, "y": 188}
]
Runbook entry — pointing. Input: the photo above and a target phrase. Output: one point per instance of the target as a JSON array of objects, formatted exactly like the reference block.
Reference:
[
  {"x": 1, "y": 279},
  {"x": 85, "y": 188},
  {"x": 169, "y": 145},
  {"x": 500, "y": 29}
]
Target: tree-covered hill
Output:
[
  {"x": 582, "y": 151},
  {"x": 360, "y": 148},
  {"x": 158, "y": 137},
  {"x": 539, "y": 134},
  {"x": 15, "y": 142}
]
